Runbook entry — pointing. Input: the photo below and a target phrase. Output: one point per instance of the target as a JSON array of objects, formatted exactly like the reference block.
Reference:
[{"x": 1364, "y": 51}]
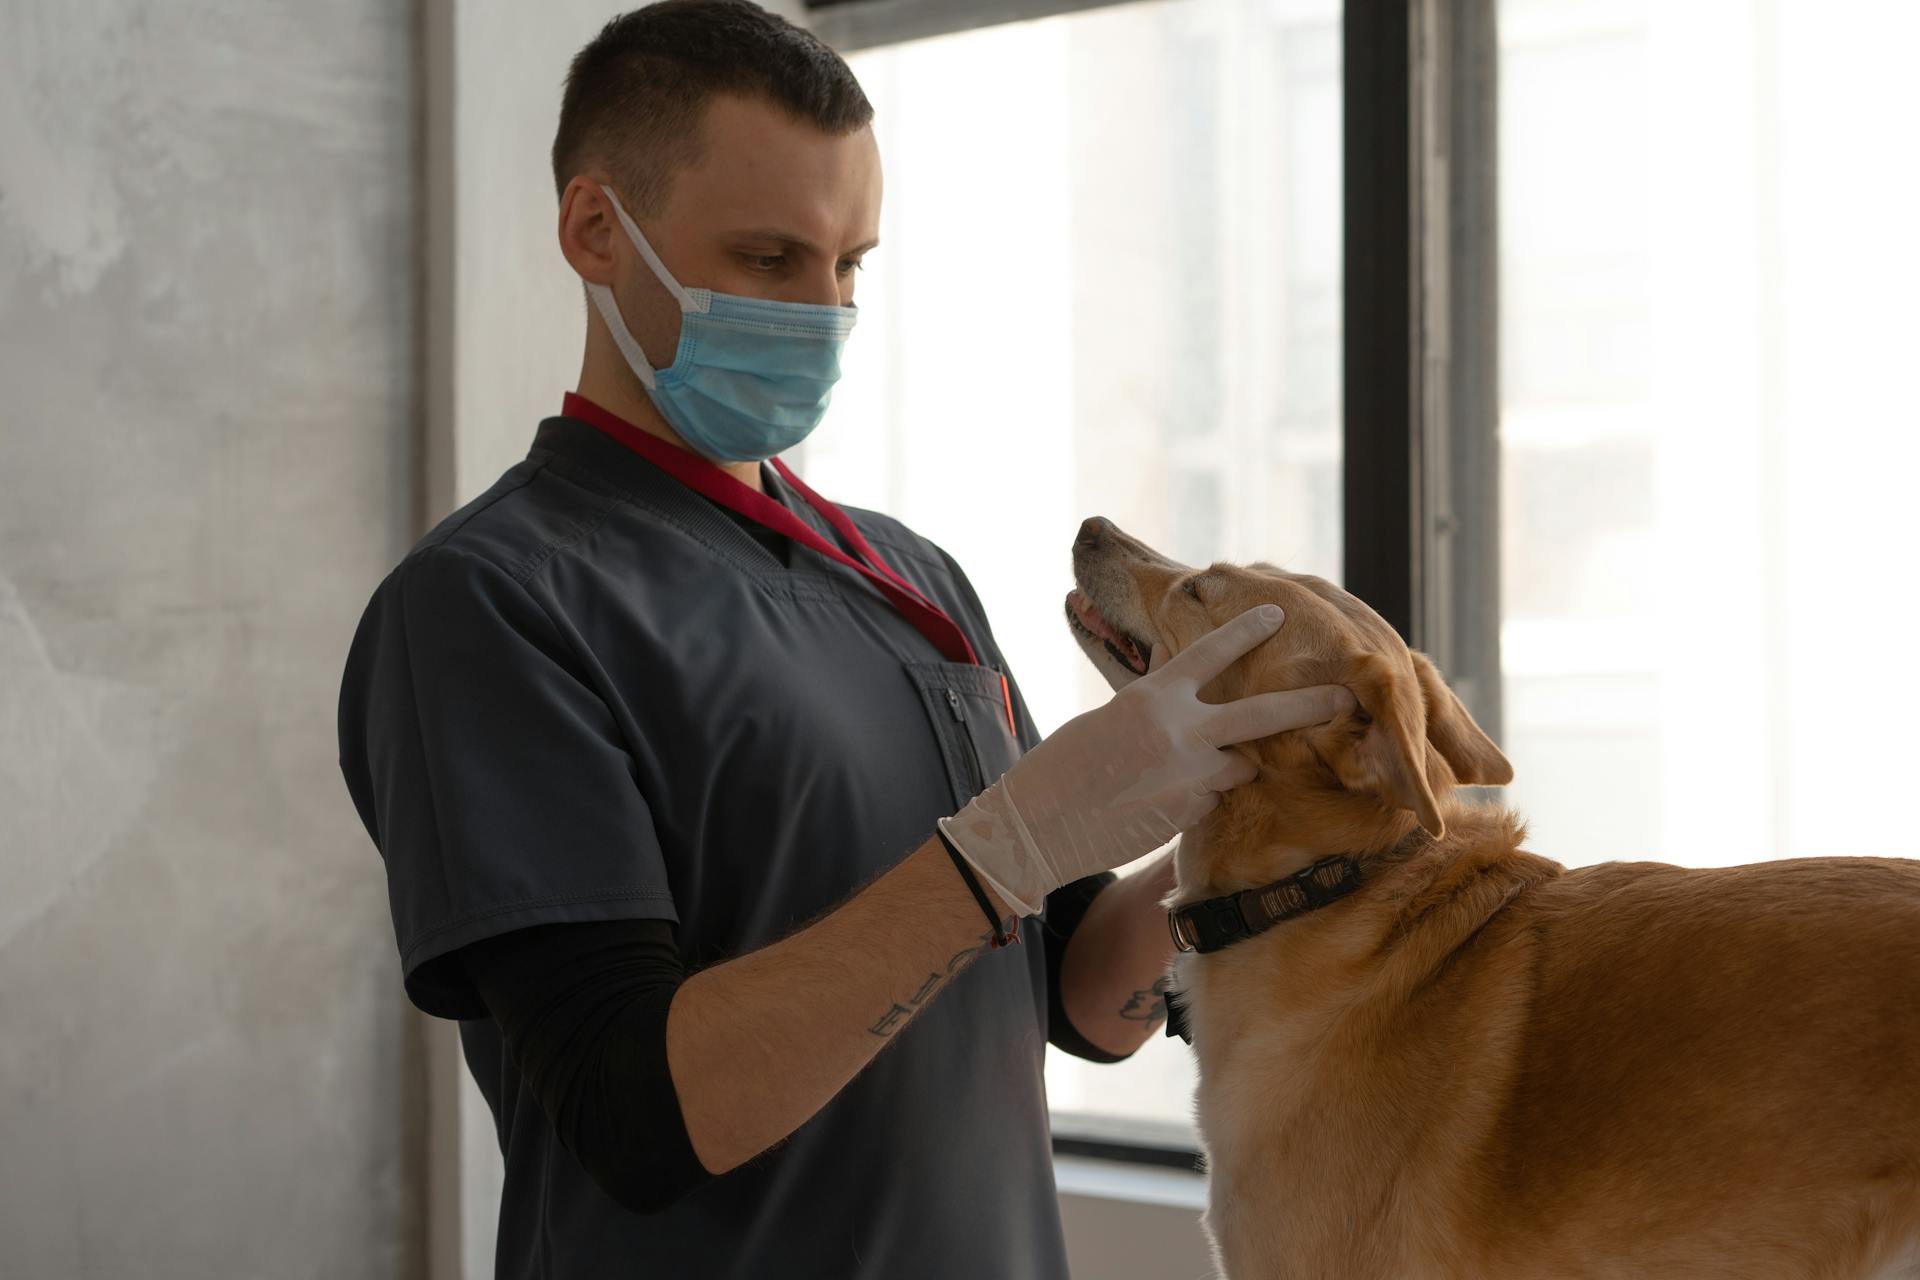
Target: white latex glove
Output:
[{"x": 1120, "y": 781}]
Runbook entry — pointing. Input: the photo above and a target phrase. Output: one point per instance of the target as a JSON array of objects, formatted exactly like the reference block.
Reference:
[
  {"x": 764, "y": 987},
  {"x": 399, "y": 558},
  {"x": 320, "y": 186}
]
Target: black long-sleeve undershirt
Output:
[{"x": 583, "y": 1009}]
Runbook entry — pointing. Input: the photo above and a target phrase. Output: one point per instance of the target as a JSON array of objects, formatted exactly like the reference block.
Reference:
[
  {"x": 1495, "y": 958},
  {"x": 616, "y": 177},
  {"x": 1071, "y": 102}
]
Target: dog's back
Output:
[
  {"x": 1718, "y": 1064},
  {"x": 1627, "y": 1070}
]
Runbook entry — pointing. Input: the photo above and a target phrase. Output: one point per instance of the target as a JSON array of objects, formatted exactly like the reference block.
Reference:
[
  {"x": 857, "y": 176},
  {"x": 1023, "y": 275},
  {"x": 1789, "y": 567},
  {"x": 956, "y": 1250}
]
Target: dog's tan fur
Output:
[{"x": 1482, "y": 1064}]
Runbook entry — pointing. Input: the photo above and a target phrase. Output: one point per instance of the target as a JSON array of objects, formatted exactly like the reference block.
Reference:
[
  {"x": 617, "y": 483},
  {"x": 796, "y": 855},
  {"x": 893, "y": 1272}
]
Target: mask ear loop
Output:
[
  {"x": 603, "y": 299},
  {"x": 686, "y": 300},
  {"x": 610, "y": 312}
]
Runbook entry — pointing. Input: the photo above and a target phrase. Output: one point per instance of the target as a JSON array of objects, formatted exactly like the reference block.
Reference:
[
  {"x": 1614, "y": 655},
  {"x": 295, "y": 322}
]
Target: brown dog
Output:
[{"x": 1477, "y": 1063}]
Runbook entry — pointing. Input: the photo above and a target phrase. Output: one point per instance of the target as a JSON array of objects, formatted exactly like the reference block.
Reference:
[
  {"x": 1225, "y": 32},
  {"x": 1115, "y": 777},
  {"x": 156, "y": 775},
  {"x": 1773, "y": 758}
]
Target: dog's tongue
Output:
[
  {"x": 1128, "y": 652},
  {"x": 1090, "y": 617}
]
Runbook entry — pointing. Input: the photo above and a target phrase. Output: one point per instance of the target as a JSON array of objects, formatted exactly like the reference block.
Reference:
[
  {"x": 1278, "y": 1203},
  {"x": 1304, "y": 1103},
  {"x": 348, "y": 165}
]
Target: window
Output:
[
  {"x": 1112, "y": 283},
  {"x": 1108, "y": 283},
  {"x": 1708, "y": 430}
]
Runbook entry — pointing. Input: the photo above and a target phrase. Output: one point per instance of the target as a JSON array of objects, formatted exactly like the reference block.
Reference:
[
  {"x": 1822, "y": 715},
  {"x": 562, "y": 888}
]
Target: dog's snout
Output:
[{"x": 1092, "y": 530}]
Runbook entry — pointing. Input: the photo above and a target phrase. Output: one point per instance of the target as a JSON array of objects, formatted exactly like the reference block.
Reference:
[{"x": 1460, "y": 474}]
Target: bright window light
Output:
[
  {"x": 1709, "y": 432},
  {"x": 1108, "y": 284}
]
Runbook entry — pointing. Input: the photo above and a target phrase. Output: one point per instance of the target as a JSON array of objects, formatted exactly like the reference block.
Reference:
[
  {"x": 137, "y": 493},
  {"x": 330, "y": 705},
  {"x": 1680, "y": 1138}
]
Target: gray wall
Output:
[{"x": 207, "y": 346}]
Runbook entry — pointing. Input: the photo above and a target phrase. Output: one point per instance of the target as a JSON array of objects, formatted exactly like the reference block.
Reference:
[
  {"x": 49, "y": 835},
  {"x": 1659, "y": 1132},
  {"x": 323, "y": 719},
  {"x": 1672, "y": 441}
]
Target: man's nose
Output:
[
  {"x": 1092, "y": 530},
  {"x": 823, "y": 289}
]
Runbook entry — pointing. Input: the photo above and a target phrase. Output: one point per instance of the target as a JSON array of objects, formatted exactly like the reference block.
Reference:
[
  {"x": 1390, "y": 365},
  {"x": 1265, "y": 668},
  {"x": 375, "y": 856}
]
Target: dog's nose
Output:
[{"x": 1092, "y": 530}]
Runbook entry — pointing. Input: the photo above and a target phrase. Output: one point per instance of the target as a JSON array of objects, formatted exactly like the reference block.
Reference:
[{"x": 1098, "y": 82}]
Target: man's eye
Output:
[
  {"x": 1192, "y": 587},
  {"x": 768, "y": 262},
  {"x": 848, "y": 268}
]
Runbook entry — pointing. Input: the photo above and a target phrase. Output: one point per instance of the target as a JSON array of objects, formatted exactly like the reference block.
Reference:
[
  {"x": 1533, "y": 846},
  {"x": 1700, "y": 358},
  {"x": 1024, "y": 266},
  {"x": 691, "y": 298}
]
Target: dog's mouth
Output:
[{"x": 1129, "y": 650}]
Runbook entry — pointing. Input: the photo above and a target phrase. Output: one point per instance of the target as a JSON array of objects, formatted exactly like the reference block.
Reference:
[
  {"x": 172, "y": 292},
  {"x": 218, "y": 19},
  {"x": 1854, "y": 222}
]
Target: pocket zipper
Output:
[{"x": 975, "y": 770}]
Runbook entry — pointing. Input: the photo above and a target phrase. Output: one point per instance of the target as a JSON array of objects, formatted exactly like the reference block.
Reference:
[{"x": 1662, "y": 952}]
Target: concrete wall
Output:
[{"x": 207, "y": 399}]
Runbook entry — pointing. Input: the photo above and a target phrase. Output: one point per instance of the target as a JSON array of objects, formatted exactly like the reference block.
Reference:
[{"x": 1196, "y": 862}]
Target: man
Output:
[{"x": 654, "y": 743}]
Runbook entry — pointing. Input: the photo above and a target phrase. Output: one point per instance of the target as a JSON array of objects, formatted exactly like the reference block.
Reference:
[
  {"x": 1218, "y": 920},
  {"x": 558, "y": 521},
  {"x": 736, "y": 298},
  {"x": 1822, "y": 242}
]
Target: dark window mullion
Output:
[
  {"x": 1378, "y": 351},
  {"x": 1421, "y": 329}
]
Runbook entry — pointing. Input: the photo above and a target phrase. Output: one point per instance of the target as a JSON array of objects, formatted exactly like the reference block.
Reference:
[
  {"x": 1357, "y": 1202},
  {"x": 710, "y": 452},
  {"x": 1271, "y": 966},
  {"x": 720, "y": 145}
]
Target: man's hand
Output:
[{"x": 1117, "y": 782}]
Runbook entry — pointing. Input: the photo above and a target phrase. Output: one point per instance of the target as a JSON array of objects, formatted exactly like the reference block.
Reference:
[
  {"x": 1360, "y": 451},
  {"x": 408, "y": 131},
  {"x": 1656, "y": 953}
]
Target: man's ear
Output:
[
  {"x": 1475, "y": 760},
  {"x": 1390, "y": 757}
]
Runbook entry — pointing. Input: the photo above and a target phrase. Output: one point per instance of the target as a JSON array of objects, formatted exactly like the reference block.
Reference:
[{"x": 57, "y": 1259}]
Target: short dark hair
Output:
[{"x": 636, "y": 96}]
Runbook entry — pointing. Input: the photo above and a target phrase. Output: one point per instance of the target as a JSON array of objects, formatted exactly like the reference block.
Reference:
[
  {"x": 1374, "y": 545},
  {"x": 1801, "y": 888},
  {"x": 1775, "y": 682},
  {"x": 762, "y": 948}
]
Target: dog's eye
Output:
[{"x": 1192, "y": 587}]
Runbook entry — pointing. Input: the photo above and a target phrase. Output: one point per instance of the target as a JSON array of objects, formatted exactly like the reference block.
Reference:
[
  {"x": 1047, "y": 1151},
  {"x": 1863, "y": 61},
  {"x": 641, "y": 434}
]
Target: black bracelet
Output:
[{"x": 979, "y": 895}]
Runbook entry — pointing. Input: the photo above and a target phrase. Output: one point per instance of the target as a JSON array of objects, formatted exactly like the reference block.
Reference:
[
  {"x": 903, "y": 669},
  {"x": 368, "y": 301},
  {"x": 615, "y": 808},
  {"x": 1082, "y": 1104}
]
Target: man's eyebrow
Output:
[{"x": 796, "y": 240}]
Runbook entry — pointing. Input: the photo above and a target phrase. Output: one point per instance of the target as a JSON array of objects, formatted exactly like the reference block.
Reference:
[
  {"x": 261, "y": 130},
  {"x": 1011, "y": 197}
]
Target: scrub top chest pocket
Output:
[{"x": 967, "y": 709}]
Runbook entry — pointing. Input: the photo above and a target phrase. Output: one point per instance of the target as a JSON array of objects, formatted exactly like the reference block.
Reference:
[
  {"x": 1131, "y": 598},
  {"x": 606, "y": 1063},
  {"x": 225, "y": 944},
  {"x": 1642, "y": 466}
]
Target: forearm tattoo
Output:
[
  {"x": 1149, "y": 1006},
  {"x": 898, "y": 1012}
]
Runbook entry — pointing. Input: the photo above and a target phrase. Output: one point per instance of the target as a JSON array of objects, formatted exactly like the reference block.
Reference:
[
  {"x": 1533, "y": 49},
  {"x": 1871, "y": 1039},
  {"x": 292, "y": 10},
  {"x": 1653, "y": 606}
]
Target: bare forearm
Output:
[
  {"x": 758, "y": 1044},
  {"x": 1112, "y": 981}
]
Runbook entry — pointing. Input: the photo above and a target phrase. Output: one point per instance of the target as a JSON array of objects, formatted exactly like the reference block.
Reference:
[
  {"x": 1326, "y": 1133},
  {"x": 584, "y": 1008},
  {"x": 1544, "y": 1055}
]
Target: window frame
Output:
[
  {"x": 1420, "y": 332},
  {"x": 853, "y": 25}
]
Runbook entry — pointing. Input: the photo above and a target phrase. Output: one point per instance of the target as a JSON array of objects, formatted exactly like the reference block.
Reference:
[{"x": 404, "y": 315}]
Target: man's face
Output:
[{"x": 774, "y": 209}]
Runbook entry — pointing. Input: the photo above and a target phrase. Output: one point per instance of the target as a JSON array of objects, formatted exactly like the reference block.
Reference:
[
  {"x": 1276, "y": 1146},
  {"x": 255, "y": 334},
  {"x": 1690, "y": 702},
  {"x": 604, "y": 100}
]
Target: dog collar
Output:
[{"x": 1221, "y": 922}]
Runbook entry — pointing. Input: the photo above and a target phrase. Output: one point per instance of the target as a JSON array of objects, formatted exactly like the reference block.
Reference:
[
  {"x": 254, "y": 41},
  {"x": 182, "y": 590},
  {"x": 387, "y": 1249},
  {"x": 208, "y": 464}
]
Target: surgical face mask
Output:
[{"x": 751, "y": 377}]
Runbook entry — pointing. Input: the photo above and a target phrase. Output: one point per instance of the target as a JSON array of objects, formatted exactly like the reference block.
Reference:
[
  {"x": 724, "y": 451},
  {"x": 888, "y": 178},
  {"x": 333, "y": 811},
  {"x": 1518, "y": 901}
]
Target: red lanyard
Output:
[{"x": 711, "y": 482}]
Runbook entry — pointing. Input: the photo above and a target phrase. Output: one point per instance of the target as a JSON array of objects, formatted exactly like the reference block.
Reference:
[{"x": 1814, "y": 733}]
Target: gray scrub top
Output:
[{"x": 590, "y": 694}]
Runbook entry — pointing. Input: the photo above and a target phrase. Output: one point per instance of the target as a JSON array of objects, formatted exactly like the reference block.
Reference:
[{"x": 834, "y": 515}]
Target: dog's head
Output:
[{"x": 1348, "y": 783}]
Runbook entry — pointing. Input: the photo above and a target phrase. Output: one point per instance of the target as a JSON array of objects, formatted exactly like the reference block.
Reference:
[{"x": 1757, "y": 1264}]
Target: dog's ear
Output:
[
  {"x": 1389, "y": 756},
  {"x": 1476, "y": 762}
]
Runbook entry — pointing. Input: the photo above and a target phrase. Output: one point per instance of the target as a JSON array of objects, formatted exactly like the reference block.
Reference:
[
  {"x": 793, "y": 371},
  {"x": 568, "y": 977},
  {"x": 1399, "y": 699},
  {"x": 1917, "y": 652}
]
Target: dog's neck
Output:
[{"x": 1254, "y": 839}]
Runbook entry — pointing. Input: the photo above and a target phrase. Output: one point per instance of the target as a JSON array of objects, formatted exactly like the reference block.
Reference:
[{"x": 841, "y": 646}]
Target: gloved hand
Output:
[{"x": 1123, "y": 779}]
